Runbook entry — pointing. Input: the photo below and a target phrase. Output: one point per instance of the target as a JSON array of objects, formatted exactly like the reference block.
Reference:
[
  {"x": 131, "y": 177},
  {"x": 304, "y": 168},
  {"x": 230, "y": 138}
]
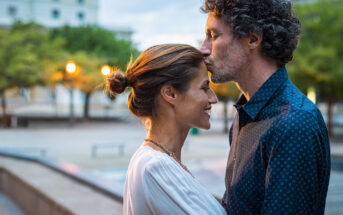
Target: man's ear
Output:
[
  {"x": 255, "y": 39},
  {"x": 168, "y": 93}
]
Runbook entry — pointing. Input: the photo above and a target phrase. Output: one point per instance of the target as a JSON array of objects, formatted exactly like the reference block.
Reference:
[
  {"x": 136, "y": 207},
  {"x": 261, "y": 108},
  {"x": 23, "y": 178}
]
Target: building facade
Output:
[
  {"x": 56, "y": 13},
  {"x": 49, "y": 13}
]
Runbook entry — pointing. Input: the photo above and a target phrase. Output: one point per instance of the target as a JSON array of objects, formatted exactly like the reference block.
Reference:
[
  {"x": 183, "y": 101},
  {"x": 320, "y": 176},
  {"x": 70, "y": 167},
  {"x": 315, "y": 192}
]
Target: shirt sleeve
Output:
[
  {"x": 168, "y": 190},
  {"x": 294, "y": 167}
]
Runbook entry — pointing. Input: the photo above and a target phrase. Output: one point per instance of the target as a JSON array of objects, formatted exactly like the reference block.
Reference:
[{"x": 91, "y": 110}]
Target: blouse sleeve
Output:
[{"x": 170, "y": 190}]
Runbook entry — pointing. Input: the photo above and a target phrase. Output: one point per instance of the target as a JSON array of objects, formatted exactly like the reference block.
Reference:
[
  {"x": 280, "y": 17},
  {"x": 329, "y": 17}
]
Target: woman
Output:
[{"x": 170, "y": 92}]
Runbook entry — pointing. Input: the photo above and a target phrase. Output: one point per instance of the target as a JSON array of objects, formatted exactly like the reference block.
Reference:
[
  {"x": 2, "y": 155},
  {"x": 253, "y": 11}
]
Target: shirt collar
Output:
[{"x": 263, "y": 94}]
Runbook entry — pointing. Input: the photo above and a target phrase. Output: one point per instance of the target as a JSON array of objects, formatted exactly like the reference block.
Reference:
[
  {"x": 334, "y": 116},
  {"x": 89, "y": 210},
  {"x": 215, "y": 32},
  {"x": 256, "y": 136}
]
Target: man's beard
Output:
[{"x": 219, "y": 75}]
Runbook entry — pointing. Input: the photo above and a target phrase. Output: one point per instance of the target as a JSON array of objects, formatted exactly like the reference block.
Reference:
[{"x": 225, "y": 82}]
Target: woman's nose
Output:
[{"x": 213, "y": 98}]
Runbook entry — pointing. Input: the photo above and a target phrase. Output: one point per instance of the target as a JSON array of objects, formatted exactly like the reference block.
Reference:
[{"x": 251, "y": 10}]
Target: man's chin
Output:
[
  {"x": 218, "y": 79},
  {"x": 215, "y": 80}
]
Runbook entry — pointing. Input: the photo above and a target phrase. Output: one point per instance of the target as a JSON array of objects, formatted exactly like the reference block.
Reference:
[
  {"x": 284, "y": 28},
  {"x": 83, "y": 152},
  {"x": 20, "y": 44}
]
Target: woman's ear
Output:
[{"x": 168, "y": 93}]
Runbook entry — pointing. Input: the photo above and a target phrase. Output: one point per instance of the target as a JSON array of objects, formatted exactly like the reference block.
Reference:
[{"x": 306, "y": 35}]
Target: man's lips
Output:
[{"x": 208, "y": 64}]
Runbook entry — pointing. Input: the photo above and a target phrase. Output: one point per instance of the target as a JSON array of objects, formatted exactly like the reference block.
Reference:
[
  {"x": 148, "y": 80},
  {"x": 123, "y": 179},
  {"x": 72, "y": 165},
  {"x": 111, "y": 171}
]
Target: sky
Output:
[{"x": 156, "y": 21}]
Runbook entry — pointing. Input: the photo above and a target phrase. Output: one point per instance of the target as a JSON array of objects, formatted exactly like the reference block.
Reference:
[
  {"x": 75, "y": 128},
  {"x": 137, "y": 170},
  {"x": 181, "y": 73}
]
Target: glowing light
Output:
[
  {"x": 71, "y": 67},
  {"x": 105, "y": 70},
  {"x": 311, "y": 94},
  {"x": 71, "y": 168}
]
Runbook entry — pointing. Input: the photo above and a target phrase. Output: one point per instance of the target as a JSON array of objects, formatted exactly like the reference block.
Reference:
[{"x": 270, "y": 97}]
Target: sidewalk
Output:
[
  {"x": 8, "y": 207},
  {"x": 337, "y": 149},
  {"x": 75, "y": 145}
]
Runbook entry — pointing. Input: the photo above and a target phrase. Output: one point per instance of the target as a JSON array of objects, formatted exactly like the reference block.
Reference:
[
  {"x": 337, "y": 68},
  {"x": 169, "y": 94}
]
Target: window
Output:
[
  {"x": 12, "y": 11},
  {"x": 55, "y": 14},
  {"x": 81, "y": 16}
]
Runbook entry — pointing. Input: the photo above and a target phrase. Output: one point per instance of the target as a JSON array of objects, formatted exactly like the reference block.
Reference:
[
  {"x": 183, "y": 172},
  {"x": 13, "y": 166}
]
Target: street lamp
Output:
[
  {"x": 105, "y": 70},
  {"x": 311, "y": 95},
  {"x": 71, "y": 68}
]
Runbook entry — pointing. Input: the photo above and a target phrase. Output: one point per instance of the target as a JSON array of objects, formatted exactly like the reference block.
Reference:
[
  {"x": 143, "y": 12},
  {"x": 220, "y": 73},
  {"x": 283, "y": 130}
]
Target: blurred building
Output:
[{"x": 55, "y": 13}]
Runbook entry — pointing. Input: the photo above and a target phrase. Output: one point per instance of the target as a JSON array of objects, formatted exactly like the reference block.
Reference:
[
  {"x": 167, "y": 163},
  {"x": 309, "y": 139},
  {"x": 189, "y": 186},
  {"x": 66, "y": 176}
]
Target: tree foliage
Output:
[
  {"x": 90, "y": 47},
  {"x": 26, "y": 56},
  {"x": 98, "y": 41},
  {"x": 225, "y": 92},
  {"x": 318, "y": 58}
]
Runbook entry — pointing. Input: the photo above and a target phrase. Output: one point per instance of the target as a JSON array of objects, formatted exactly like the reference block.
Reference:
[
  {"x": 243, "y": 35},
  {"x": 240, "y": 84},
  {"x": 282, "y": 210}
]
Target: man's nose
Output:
[{"x": 205, "y": 47}]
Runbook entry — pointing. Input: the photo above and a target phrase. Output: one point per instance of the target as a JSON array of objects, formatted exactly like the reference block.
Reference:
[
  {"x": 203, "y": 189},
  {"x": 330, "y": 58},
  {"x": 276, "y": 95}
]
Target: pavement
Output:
[
  {"x": 75, "y": 145},
  {"x": 8, "y": 207}
]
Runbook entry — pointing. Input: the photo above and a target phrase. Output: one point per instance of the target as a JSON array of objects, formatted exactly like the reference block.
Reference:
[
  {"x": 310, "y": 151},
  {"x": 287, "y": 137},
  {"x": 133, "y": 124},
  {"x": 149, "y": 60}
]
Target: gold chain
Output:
[{"x": 170, "y": 153}]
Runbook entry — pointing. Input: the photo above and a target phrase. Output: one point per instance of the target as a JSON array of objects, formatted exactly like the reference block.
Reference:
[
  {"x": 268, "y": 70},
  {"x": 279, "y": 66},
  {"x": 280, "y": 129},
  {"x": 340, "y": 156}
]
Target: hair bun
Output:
[{"x": 116, "y": 83}]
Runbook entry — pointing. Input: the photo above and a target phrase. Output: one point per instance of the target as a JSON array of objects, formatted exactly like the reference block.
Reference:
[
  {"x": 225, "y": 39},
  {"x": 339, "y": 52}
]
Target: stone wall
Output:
[
  {"x": 28, "y": 198},
  {"x": 39, "y": 190}
]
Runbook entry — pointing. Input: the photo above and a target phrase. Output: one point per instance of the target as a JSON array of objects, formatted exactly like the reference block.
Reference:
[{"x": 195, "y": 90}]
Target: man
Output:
[{"x": 279, "y": 161}]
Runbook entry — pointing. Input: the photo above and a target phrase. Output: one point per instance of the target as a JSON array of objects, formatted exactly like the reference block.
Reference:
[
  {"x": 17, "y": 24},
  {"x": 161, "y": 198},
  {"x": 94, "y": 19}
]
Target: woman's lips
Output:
[{"x": 208, "y": 112}]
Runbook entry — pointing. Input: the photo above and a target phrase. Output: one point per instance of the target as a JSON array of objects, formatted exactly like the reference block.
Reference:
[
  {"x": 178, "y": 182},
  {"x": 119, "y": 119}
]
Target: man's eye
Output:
[{"x": 213, "y": 35}]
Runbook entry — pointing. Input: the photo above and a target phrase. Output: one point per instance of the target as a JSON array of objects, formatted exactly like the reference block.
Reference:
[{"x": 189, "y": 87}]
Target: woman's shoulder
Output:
[{"x": 164, "y": 183}]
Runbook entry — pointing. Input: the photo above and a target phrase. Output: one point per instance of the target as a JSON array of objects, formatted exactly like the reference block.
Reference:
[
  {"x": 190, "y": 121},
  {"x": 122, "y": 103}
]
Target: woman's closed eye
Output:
[
  {"x": 206, "y": 86},
  {"x": 205, "y": 89}
]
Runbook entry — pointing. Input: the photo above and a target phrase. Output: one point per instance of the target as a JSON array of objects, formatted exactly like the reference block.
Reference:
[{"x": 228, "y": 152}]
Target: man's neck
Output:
[{"x": 254, "y": 77}]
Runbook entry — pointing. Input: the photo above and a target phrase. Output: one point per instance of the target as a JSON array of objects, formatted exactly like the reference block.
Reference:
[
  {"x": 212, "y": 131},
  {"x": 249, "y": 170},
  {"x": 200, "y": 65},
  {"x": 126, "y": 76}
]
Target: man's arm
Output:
[{"x": 295, "y": 172}]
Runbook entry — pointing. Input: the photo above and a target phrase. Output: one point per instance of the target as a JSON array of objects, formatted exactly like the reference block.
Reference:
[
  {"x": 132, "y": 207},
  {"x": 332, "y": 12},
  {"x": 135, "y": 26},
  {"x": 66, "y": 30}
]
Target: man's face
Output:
[{"x": 226, "y": 57}]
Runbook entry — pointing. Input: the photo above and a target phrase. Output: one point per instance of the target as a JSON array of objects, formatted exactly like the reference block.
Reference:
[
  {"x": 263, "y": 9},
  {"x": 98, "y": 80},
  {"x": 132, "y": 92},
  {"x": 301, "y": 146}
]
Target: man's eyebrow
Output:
[{"x": 212, "y": 28}]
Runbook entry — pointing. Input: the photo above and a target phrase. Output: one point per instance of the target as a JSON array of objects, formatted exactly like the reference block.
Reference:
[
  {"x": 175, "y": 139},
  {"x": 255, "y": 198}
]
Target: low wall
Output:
[
  {"x": 46, "y": 188},
  {"x": 27, "y": 197}
]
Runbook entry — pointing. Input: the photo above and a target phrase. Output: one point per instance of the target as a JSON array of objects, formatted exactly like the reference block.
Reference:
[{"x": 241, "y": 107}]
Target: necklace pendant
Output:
[{"x": 171, "y": 153}]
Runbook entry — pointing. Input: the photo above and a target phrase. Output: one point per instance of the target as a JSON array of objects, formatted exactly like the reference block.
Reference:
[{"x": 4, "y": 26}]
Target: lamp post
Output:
[
  {"x": 311, "y": 95},
  {"x": 105, "y": 70},
  {"x": 71, "y": 68}
]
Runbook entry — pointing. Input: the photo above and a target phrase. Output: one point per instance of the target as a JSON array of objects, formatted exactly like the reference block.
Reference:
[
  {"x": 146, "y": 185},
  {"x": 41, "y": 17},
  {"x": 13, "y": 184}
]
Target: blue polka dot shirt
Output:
[{"x": 279, "y": 160}]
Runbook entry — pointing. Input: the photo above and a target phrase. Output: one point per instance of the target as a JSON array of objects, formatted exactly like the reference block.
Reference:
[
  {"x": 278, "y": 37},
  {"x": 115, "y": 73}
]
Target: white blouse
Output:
[{"x": 157, "y": 184}]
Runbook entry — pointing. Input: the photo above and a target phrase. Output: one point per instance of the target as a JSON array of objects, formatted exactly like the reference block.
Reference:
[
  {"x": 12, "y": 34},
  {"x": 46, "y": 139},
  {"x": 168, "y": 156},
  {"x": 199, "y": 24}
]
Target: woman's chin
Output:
[{"x": 206, "y": 127}]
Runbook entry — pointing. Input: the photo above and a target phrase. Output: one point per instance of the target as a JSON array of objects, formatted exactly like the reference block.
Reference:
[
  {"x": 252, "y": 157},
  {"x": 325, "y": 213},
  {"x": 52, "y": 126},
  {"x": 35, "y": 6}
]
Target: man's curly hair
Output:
[{"x": 273, "y": 18}]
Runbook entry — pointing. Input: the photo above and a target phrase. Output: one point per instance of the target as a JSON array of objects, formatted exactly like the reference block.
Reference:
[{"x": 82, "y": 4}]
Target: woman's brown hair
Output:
[{"x": 168, "y": 64}]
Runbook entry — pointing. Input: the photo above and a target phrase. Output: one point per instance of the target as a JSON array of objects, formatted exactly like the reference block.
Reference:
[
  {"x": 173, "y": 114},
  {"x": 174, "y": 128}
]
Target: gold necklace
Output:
[{"x": 170, "y": 153}]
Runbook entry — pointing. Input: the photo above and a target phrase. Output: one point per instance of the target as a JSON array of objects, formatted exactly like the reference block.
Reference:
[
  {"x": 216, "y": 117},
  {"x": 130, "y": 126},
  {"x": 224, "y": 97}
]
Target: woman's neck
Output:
[{"x": 168, "y": 135}]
